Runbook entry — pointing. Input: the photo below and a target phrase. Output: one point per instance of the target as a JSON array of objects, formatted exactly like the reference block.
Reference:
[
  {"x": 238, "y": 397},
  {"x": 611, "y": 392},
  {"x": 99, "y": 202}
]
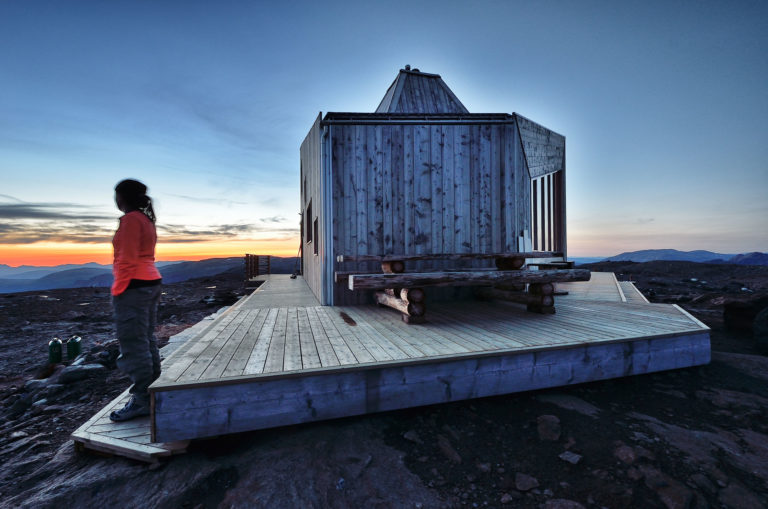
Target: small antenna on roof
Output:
[{"x": 407, "y": 67}]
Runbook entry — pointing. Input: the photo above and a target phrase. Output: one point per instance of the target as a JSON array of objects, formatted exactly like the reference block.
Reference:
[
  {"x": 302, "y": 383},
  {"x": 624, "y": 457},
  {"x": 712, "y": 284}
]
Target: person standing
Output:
[{"x": 135, "y": 295}]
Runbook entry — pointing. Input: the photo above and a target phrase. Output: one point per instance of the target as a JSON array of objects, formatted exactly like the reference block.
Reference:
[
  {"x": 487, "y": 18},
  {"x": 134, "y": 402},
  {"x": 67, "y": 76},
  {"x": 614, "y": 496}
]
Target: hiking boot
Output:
[{"x": 134, "y": 408}]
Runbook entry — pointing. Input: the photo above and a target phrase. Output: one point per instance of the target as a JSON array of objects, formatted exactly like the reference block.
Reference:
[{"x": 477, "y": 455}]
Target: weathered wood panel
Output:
[
  {"x": 427, "y": 188},
  {"x": 312, "y": 181},
  {"x": 508, "y": 255},
  {"x": 522, "y": 194},
  {"x": 544, "y": 149},
  {"x": 197, "y": 412}
]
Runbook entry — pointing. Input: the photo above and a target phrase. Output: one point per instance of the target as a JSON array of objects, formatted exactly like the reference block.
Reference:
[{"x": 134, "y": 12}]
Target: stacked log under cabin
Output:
[{"x": 434, "y": 187}]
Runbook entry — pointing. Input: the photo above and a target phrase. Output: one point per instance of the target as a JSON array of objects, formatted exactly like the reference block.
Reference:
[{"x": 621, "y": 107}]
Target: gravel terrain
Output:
[{"x": 692, "y": 438}]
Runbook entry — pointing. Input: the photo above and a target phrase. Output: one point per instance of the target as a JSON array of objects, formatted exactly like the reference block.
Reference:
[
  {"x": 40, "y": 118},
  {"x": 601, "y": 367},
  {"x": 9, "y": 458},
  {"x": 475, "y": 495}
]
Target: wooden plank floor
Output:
[
  {"x": 601, "y": 286},
  {"x": 129, "y": 438},
  {"x": 255, "y": 341}
]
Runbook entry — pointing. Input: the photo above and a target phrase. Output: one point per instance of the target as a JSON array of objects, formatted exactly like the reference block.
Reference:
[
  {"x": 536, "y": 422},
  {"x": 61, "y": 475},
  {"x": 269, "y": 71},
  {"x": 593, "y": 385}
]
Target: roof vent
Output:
[{"x": 407, "y": 67}]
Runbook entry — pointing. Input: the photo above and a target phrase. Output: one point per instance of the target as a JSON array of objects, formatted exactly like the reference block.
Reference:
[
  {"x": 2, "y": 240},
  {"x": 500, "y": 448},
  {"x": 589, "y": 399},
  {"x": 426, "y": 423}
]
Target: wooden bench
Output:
[{"x": 405, "y": 291}]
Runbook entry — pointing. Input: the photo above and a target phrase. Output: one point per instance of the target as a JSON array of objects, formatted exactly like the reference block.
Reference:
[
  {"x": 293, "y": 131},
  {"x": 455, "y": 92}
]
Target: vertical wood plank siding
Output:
[
  {"x": 311, "y": 173},
  {"x": 536, "y": 216},
  {"x": 426, "y": 189},
  {"x": 408, "y": 187}
]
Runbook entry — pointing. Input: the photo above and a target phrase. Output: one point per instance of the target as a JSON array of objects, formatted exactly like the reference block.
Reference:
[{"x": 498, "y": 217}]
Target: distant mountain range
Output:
[
  {"x": 648, "y": 255},
  {"x": 28, "y": 278},
  {"x": 35, "y": 272}
]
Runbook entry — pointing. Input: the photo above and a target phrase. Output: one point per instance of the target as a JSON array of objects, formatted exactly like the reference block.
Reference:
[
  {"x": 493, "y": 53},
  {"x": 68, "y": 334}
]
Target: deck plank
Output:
[
  {"x": 469, "y": 327},
  {"x": 190, "y": 351},
  {"x": 393, "y": 345},
  {"x": 379, "y": 352},
  {"x": 310, "y": 357},
  {"x": 276, "y": 353},
  {"x": 204, "y": 358},
  {"x": 225, "y": 353},
  {"x": 258, "y": 356},
  {"x": 383, "y": 327},
  {"x": 340, "y": 348},
  {"x": 447, "y": 344},
  {"x": 325, "y": 351},
  {"x": 331, "y": 317},
  {"x": 239, "y": 360},
  {"x": 292, "y": 359}
]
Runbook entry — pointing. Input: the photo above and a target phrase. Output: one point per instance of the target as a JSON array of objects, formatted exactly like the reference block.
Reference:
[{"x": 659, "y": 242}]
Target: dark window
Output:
[
  {"x": 308, "y": 219},
  {"x": 314, "y": 229}
]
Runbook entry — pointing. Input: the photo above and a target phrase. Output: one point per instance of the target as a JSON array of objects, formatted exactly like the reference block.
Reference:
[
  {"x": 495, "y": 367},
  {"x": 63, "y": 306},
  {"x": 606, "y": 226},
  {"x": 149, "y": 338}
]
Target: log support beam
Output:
[
  {"x": 466, "y": 278},
  {"x": 409, "y": 301}
]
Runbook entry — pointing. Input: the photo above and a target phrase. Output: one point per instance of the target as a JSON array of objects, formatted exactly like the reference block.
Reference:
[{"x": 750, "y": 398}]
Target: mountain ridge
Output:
[
  {"x": 100, "y": 276},
  {"x": 698, "y": 256},
  {"x": 647, "y": 255}
]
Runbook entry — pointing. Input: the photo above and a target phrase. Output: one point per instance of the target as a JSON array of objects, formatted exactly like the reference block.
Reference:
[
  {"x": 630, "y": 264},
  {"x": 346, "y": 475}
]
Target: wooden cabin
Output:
[{"x": 423, "y": 175}]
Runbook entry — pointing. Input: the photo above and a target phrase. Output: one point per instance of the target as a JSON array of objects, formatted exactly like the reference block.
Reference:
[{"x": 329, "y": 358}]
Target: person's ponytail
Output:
[
  {"x": 134, "y": 194},
  {"x": 148, "y": 209}
]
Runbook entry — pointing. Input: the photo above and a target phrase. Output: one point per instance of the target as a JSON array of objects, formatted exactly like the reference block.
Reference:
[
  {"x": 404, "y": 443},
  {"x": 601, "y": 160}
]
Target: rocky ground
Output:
[{"x": 690, "y": 438}]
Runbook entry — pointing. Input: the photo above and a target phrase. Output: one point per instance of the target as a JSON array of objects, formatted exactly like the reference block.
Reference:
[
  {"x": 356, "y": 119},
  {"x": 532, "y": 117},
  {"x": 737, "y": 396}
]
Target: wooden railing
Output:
[{"x": 256, "y": 265}]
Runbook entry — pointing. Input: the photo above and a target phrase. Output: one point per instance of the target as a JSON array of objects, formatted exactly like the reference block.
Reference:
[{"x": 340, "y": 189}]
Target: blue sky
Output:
[{"x": 662, "y": 105}]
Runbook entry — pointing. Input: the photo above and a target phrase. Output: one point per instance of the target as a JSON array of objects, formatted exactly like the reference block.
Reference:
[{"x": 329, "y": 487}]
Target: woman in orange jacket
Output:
[{"x": 135, "y": 295}]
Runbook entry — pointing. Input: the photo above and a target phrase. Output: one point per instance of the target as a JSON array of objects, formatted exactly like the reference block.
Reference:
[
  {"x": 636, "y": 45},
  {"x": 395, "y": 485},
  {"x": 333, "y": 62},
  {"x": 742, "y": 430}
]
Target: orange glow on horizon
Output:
[{"x": 46, "y": 254}]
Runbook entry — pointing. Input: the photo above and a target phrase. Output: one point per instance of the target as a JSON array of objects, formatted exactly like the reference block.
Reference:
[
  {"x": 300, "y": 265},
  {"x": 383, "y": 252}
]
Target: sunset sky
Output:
[{"x": 663, "y": 105}]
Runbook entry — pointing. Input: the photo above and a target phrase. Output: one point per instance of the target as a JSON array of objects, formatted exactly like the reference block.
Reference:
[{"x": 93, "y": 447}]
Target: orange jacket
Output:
[{"x": 134, "y": 247}]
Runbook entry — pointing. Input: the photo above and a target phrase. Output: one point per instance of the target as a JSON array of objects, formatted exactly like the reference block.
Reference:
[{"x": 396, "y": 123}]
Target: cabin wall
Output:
[
  {"x": 311, "y": 181},
  {"x": 545, "y": 157},
  {"x": 424, "y": 189}
]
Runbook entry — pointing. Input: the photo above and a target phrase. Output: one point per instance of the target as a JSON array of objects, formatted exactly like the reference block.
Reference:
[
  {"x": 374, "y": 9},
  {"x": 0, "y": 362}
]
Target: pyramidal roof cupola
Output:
[{"x": 414, "y": 91}]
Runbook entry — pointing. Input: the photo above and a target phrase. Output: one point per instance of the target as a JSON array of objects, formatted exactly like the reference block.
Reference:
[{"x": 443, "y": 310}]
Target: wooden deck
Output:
[
  {"x": 278, "y": 358},
  {"x": 277, "y": 341},
  {"x": 271, "y": 361}
]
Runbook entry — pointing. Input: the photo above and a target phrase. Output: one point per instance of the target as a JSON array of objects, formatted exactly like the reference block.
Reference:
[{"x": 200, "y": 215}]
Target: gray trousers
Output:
[{"x": 135, "y": 320}]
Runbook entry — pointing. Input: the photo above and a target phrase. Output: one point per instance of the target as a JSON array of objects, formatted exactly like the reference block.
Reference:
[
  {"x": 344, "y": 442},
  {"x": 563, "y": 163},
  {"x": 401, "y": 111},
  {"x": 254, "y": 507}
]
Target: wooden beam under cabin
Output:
[
  {"x": 466, "y": 278},
  {"x": 405, "y": 307},
  {"x": 445, "y": 256}
]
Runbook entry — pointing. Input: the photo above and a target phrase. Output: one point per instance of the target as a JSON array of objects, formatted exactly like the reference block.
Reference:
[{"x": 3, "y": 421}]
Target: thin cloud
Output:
[
  {"x": 12, "y": 198},
  {"x": 273, "y": 219},
  {"x": 215, "y": 201},
  {"x": 182, "y": 234},
  {"x": 20, "y": 210},
  {"x": 38, "y": 231}
]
